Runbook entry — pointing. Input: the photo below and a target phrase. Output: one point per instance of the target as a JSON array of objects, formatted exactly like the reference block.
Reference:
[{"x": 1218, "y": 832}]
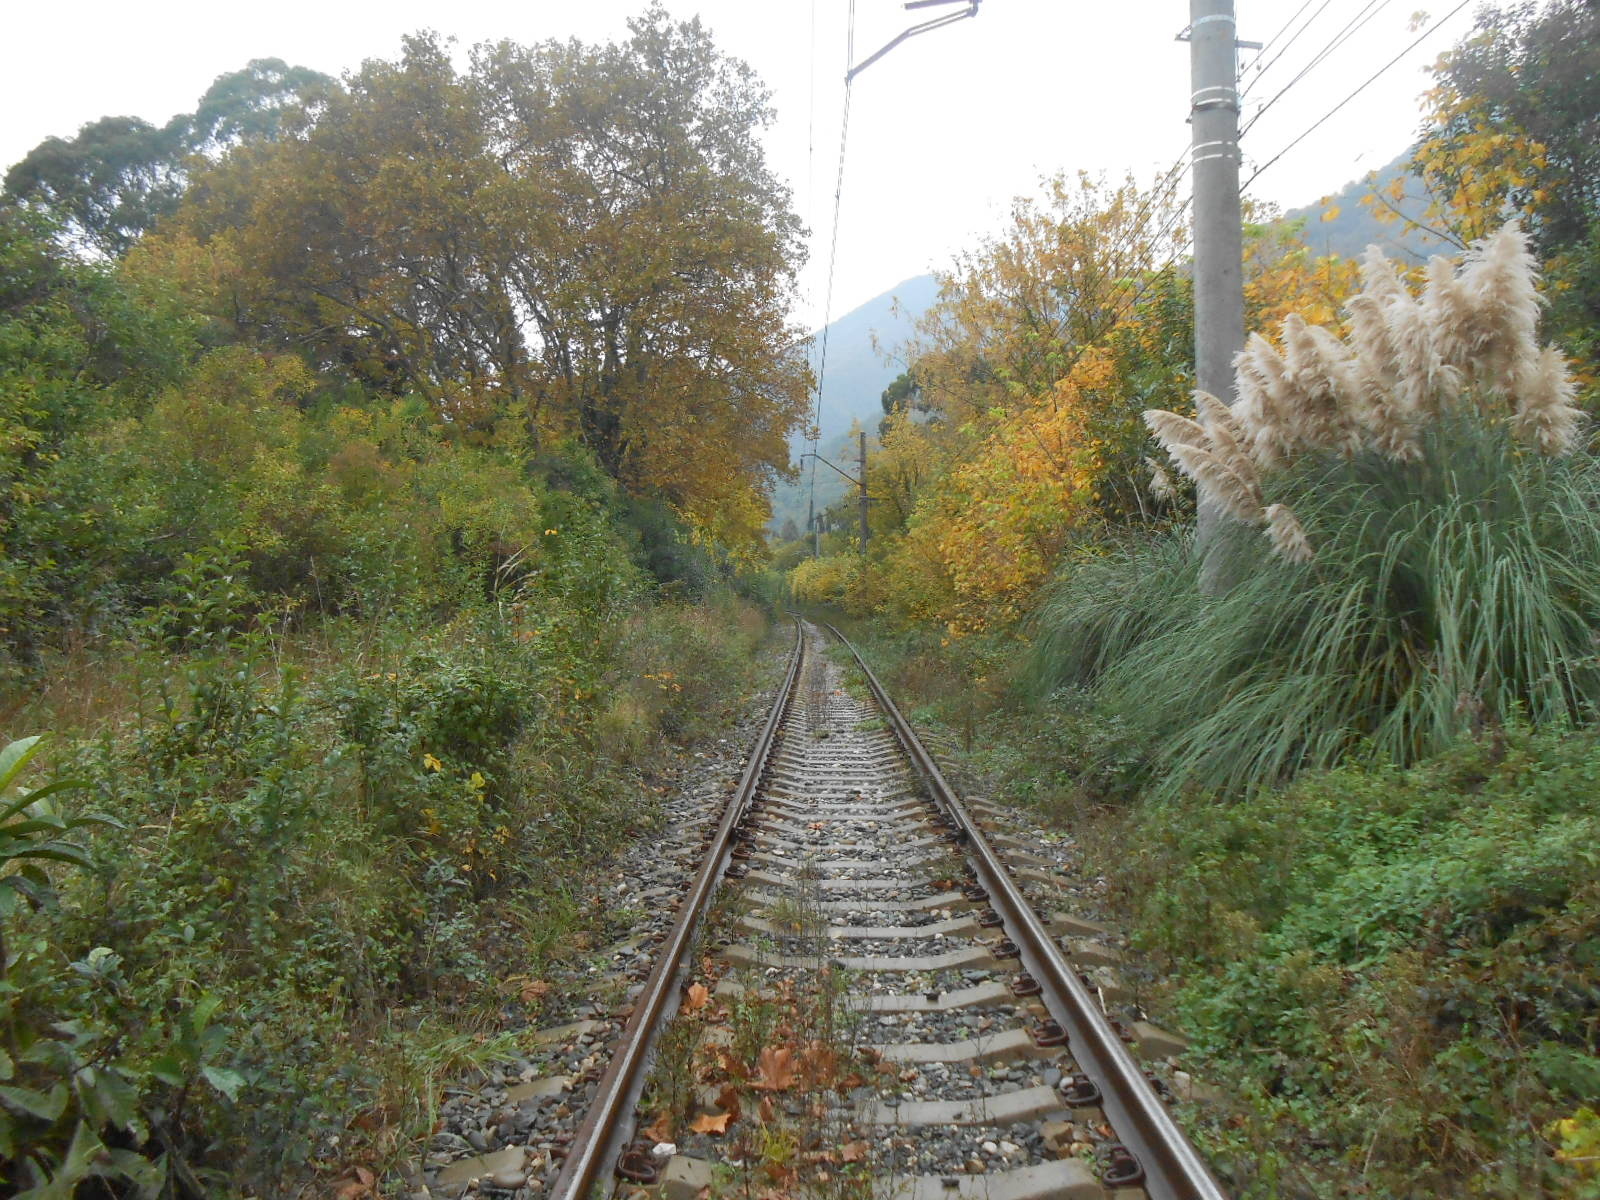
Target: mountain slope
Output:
[
  {"x": 1355, "y": 225},
  {"x": 852, "y": 384}
]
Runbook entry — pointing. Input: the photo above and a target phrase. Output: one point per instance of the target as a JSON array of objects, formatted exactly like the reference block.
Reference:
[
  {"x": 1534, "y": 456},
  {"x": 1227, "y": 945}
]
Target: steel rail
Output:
[
  {"x": 599, "y": 1140},
  {"x": 1173, "y": 1168}
]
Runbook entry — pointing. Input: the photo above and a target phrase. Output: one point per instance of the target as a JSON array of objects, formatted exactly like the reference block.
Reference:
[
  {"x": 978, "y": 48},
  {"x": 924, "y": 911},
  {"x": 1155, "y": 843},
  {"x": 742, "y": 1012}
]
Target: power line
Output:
[
  {"x": 1352, "y": 27},
  {"x": 811, "y": 118},
  {"x": 1117, "y": 316},
  {"x": 833, "y": 258},
  {"x": 1373, "y": 78},
  {"x": 1268, "y": 44},
  {"x": 852, "y": 69},
  {"x": 1165, "y": 184},
  {"x": 833, "y": 241},
  {"x": 1289, "y": 45}
]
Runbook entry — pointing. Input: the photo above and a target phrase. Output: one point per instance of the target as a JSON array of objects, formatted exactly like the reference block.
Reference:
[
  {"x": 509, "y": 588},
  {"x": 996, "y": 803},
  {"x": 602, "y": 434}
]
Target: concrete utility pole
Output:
[
  {"x": 863, "y": 481},
  {"x": 1218, "y": 228}
]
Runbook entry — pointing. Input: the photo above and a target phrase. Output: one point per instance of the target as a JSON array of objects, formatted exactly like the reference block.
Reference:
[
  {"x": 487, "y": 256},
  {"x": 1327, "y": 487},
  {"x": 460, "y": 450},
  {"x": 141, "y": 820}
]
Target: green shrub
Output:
[{"x": 1402, "y": 965}]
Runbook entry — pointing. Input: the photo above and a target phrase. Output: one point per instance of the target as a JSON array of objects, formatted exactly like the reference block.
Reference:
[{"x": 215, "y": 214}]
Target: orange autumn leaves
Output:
[
  {"x": 1007, "y": 511},
  {"x": 1023, "y": 437}
]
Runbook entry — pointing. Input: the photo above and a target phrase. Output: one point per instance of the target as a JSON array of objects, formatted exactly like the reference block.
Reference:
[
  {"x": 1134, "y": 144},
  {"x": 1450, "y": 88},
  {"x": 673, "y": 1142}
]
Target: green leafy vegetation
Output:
[
  {"x": 1400, "y": 965},
  {"x": 364, "y": 590}
]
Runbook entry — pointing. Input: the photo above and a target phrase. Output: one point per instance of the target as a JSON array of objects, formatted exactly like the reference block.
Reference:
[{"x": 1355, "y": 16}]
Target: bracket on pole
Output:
[
  {"x": 971, "y": 10},
  {"x": 1183, "y": 36}
]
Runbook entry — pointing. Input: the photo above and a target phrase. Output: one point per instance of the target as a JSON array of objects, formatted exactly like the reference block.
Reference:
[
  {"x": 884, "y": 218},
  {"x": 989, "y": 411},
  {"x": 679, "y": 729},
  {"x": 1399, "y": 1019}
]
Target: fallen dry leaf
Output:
[
  {"x": 854, "y": 1151},
  {"x": 767, "y": 1111},
  {"x": 821, "y": 1062},
  {"x": 776, "y": 1068},
  {"x": 728, "y": 1101},
  {"x": 734, "y": 1068},
  {"x": 782, "y": 1174},
  {"x": 533, "y": 990},
  {"x": 706, "y": 1123},
  {"x": 699, "y": 996},
  {"x": 660, "y": 1130}
]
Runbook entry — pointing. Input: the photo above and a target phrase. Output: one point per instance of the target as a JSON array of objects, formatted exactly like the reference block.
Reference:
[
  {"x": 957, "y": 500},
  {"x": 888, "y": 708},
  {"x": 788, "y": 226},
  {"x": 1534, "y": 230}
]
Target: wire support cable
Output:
[
  {"x": 1273, "y": 40},
  {"x": 1125, "y": 243}
]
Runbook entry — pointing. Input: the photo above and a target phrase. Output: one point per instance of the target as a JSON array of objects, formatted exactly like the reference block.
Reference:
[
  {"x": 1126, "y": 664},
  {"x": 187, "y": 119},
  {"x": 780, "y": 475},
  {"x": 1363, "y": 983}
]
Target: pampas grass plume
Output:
[
  {"x": 1171, "y": 430},
  {"x": 1287, "y": 535},
  {"x": 1161, "y": 485},
  {"x": 1546, "y": 416},
  {"x": 1503, "y": 305},
  {"x": 1236, "y": 495}
]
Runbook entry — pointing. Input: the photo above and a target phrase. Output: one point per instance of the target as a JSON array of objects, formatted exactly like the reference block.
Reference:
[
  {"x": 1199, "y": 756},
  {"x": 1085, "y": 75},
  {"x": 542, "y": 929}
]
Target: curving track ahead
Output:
[{"x": 981, "y": 1063}]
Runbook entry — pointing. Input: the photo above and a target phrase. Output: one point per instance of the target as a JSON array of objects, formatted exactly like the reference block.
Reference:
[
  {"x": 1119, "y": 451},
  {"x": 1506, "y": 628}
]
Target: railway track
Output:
[{"x": 858, "y": 997}]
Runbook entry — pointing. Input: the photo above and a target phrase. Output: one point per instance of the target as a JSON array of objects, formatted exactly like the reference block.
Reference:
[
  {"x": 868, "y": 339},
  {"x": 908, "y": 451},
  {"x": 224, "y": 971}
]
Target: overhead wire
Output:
[
  {"x": 1282, "y": 29},
  {"x": 1370, "y": 80},
  {"x": 1118, "y": 315},
  {"x": 1289, "y": 45},
  {"x": 1165, "y": 184},
  {"x": 1352, "y": 27},
  {"x": 833, "y": 257}
]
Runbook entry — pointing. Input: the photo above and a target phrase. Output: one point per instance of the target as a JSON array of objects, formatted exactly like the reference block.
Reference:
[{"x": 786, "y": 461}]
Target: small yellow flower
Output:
[
  {"x": 478, "y": 781},
  {"x": 432, "y": 763},
  {"x": 551, "y": 532}
]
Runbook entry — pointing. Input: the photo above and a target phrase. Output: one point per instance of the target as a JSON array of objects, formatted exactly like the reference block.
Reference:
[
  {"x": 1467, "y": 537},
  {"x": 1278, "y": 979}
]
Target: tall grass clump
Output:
[{"x": 1432, "y": 558}]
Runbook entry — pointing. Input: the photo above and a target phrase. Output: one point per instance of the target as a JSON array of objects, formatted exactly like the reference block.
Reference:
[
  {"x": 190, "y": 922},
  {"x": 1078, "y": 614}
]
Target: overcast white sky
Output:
[{"x": 944, "y": 131}]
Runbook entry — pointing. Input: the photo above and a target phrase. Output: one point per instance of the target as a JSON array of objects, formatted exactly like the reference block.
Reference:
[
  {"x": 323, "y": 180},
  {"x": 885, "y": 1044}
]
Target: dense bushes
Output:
[
  {"x": 324, "y": 838},
  {"x": 362, "y": 686},
  {"x": 1448, "y": 594},
  {"x": 1397, "y": 966}
]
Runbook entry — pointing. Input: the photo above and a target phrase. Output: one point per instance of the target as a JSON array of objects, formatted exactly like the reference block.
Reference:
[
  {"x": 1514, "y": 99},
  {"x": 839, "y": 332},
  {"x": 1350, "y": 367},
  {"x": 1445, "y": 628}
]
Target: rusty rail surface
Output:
[
  {"x": 600, "y": 1139},
  {"x": 1174, "y": 1169}
]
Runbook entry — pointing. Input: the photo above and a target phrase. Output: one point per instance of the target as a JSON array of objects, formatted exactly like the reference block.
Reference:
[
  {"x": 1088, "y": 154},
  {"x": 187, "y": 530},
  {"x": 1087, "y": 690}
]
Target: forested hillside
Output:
[
  {"x": 380, "y": 458},
  {"x": 1368, "y": 212}
]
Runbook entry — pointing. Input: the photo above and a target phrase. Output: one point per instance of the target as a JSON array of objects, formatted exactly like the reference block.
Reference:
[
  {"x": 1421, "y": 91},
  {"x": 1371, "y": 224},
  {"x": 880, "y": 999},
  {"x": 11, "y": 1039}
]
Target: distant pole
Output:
[
  {"x": 863, "y": 492},
  {"x": 1218, "y": 225}
]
